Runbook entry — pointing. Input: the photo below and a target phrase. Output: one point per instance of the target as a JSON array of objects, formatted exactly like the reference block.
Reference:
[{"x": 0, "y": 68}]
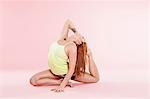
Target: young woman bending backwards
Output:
[{"x": 67, "y": 60}]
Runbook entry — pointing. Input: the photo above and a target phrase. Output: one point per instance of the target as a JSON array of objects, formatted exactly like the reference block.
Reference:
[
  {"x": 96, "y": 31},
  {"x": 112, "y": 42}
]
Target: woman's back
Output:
[{"x": 57, "y": 59}]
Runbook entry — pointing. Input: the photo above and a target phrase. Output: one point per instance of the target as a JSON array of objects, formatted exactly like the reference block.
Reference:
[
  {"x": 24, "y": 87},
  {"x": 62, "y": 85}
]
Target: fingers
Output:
[
  {"x": 57, "y": 90},
  {"x": 79, "y": 39},
  {"x": 53, "y": 89},
  {"x": 83, "y": 39}
]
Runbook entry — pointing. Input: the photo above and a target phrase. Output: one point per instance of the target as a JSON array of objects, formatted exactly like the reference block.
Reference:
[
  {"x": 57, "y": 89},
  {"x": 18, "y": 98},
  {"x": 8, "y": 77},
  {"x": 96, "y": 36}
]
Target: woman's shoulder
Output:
[
  {"x": 70, "y": 47},
  {"x": 70, "y": 44}
]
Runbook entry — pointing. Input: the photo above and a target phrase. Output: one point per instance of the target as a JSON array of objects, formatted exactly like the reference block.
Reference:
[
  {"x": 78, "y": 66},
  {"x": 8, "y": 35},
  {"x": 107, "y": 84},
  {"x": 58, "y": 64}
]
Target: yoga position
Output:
[{"x": 68, "y": 59}]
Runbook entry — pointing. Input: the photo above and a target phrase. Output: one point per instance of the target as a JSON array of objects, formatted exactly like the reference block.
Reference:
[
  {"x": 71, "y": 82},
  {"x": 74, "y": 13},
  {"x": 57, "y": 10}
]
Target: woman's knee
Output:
[{"x": 33, "y": 81}]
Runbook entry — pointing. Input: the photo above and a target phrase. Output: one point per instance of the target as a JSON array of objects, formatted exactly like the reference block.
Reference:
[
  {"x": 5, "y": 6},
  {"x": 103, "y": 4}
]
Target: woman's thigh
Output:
[
  {"x": 86, "y": 78},
  {"x": 45, "y": 74}
]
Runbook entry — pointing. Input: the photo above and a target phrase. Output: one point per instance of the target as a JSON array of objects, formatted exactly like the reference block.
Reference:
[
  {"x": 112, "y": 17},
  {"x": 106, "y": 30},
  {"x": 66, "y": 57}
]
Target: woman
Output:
[{"x": 67, "y": 59}]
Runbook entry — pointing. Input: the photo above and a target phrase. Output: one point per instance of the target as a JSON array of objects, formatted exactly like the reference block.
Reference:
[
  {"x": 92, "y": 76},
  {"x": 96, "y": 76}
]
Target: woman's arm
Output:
[
  {"x": 68, "y": 25},
  {"x": 72, "y": 50},
  {"x": 72, "y": 62}
]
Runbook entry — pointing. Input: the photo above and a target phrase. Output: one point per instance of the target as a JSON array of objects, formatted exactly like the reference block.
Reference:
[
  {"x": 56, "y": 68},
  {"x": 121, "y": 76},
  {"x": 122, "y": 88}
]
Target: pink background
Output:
[{"x": 116, "y": 31}]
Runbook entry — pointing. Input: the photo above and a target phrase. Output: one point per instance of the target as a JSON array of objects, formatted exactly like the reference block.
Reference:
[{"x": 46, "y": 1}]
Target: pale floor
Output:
[{"x": 15, "y": 85}]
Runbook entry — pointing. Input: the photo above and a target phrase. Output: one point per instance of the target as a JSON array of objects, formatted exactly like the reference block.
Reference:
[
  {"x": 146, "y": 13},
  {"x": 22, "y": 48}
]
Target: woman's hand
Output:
[
  {"x": 76, "y": 38},
  {"x": 58, "y": 89}
]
